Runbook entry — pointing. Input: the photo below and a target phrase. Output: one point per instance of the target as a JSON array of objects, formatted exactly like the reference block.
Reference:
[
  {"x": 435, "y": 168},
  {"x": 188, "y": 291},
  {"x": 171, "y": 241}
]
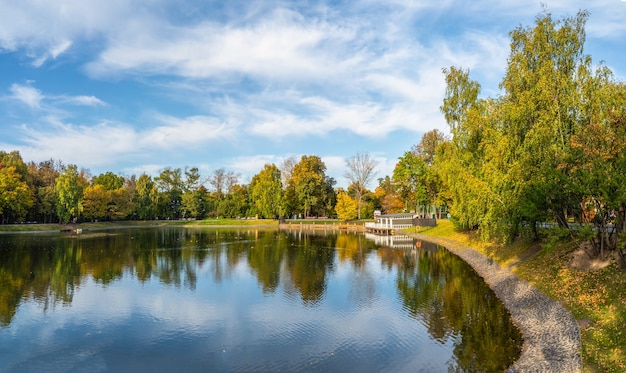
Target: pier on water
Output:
[{"x": 388, "y": 225}]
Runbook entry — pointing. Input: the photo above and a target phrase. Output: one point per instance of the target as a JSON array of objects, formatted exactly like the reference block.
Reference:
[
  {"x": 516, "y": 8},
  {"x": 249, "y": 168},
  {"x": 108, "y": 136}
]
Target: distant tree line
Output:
[{"x": 51, "y": 192}]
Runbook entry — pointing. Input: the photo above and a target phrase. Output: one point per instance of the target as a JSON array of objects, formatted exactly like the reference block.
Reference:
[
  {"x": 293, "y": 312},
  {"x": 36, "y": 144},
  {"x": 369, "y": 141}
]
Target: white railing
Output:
[{"x": 395, "y": 226}]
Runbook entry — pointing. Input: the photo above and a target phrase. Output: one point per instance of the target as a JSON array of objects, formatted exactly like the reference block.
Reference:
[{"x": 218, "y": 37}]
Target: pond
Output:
[{"x": 246, "y": 300}]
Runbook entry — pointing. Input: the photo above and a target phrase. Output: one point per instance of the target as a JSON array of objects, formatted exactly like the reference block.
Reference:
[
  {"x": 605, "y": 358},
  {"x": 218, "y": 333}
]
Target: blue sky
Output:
[{"x": 134, "y": 86}]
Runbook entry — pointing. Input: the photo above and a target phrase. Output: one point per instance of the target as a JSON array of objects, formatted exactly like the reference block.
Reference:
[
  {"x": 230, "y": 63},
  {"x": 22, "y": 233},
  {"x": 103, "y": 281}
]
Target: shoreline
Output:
[{"x": 552, "y": 341}]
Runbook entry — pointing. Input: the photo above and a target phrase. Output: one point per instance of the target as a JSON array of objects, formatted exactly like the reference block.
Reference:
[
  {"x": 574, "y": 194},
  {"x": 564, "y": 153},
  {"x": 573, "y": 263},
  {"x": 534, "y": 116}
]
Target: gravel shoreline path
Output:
[{"x": 551, "y": 334}]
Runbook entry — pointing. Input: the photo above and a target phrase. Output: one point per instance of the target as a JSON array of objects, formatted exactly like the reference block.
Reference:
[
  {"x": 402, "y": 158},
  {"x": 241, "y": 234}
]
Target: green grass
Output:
[
  {"x": 189, "y": 223},
  {"x": 229, "y": 222},
  {"x": 136, "y": 223},
  {"x": 596, "y": 295}
]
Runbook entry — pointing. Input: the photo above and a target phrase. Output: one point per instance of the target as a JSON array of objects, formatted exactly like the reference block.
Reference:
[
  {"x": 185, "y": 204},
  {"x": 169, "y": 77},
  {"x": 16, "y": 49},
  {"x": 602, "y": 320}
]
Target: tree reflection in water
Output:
[{"x": 433, "y": 286}]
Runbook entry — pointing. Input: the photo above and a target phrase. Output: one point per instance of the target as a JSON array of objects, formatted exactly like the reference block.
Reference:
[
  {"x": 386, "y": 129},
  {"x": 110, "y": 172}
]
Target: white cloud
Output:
[
  {"x": 82, "y": 100},
  {"x": 283, "y": 45},
  {"x": 106, "y": 143},
  {"x": 249, "y": 166},
  {"x": 48, "y": 29},
  {"x": 87, "y": 146},
  {"x": 52, "y": 52},
  {"x": 34, "y": 98},
  {"x": 28, "y": 95},
  {"x": 189, "y": 131}
]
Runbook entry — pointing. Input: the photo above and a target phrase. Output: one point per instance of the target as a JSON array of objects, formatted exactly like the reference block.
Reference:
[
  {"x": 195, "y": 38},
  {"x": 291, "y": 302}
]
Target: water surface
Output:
[{"x": 176, "y": 299}]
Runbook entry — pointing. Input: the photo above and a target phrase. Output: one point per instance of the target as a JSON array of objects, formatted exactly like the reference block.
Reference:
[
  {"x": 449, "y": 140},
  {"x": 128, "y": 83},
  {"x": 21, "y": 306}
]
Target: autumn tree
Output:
[
  {"x": 510, "y": 162},
  {"x": 601, "y": 167},
  {"x": 346, "y": 207},
  {"x": 361, "y": 169},
  {"x": 15, "y": 195},
  {"x": 117, "y": 192},
  {"x": 428, "y": 145},
  {"x": 43, "y": 178},
  {"x": 95, "y": 201}
]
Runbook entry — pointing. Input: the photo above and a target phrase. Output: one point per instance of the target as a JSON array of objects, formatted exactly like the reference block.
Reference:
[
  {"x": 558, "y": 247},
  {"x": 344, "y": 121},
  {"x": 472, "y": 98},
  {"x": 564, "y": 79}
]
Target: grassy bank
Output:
[
  {"x": 158, "y": 223},
  {"x": 596, "y": 298},
  {"x": 138, "y": 223}
]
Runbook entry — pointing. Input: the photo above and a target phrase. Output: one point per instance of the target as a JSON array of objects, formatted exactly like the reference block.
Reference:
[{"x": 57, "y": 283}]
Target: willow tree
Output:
[
  {"x": 541, "y": 112},
  {"x": 460, "y": 161},
  {"x": 510, "y": 160}
]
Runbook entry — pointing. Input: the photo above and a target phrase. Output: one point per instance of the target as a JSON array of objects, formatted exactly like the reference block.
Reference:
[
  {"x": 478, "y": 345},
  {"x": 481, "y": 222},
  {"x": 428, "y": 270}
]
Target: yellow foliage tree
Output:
[{"x": 346, "y": 207}]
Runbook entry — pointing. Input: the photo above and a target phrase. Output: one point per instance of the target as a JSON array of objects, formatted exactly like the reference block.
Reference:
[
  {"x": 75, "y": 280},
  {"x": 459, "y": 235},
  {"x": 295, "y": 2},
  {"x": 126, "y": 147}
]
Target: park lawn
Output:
[
  {"x": 137, "y": 223},
  {"x": 597, "y": 298},
  {"x": 212, "y": 222}
]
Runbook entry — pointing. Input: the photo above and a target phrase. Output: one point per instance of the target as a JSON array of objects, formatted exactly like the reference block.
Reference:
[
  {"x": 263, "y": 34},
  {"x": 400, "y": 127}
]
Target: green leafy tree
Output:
[
  {"x": 120, "y": 204},
  {"x": 309, "y": 188},
  {"x": 145, "y": 197},
  {"x": 541, "y": 112},
  {"x": 170, "y": 186},
  {"x": 109, "y": 181},
  {"x": 196, "y": 203},
  {"x": 461, "y": 161},
  {"x": 408, "y": 176},
  {"x": 427, "y": 150},
  {"x": 235, "y": 203},
  {"x": 192, "y": 179},
  {"x": 266, "y": 192},
  {"x": 69, "y": 189}
]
